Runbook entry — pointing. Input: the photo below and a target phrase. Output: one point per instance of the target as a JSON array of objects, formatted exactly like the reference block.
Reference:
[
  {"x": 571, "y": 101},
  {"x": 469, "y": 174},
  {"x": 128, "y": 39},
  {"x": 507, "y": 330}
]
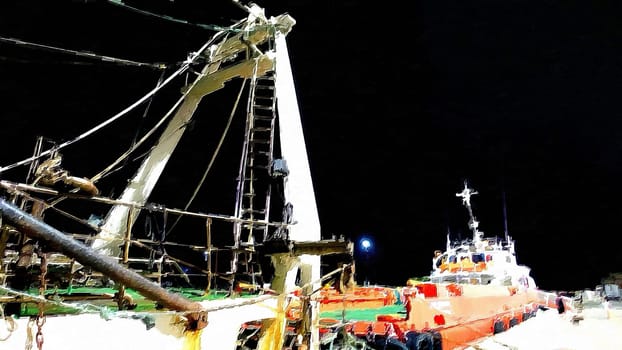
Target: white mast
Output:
[{"x": 299, "y": 185}]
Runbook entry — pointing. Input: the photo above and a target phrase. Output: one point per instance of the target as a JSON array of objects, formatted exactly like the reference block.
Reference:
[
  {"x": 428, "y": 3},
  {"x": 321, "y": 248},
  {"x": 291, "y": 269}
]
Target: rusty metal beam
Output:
[
  {"x": 323, "y": 247},
  {"x": 35, "y": 228}
]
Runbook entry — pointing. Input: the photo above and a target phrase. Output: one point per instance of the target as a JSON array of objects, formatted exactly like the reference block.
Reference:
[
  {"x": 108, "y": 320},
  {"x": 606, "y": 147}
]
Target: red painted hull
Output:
[{"x": 457, "y": 315}]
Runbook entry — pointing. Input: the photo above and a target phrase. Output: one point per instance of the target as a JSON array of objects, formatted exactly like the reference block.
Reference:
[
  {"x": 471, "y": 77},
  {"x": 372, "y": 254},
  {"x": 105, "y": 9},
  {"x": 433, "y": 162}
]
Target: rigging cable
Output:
[
  {"x": 146, "y": 111},
  {"x": 185, "y": 66},
  {"x": 90, "y": 55},
  {"x": 144, "y": 138},
  {"x": 169, "y": 18},
  {"x": 138, "y": 143},
  {"x": 135, "y": 144},
  {"x": 211, "y": 162}
]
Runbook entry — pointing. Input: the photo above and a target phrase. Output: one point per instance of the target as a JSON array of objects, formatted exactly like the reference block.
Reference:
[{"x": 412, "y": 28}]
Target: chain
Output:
[
  {"x": 39, "y": 336},
  {"x": 40, "y": 320}
]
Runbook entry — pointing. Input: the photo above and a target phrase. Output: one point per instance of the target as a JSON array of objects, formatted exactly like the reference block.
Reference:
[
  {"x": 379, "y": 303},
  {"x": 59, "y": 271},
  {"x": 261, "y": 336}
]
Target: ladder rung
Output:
[
  {"x": 250, "y": 273},
  {"x": 263, "y": 107},
  {"x": 253, "y": 211},
  {"x": 256, "y": 166},
  {"x": 255, "y": 227},
  {"x": 263, "y": 116}
]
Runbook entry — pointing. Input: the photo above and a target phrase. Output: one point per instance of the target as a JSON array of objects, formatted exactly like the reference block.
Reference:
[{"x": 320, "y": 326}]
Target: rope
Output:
[
  {"x": 121, "y": 61},
  {"x": 98, "y": 127},
  {"x": 109, "y": 170},
  {"x": 83, "y": 308},
  {"x": 211, "y": 162},
  {"x": 168, "y": 256},
  {"x": 11, "y": 326},
  {"x": 172, "y": 19},
  {"x": 29, "y": 333},
  {"x": 147, "y": 108},
  {"x": 185, "y": 66},
  {"x": 145, "y": 317},
  {"x": 142, "y": 120},
  {"x": 106, "y": 171},
  {"x": 47, "y": 61}
]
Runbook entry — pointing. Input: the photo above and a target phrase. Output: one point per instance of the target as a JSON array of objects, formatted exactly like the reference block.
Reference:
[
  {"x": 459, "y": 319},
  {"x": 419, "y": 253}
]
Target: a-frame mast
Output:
[{"x": 253, "y": 31}]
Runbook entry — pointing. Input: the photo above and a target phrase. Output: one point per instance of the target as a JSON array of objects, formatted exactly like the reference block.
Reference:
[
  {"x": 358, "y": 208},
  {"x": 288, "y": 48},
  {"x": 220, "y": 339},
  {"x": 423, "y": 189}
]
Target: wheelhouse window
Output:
[{"x": 478, "y": 257}]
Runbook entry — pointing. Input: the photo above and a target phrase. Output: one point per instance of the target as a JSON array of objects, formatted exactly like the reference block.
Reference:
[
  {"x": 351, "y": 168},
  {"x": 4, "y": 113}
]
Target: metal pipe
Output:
[
  {"x": 34, "y": 228},
  {"x": 17, "y": 187}
]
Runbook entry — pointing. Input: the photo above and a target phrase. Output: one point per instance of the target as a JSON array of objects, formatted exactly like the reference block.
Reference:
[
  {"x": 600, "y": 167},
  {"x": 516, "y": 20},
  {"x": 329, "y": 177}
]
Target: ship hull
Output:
[
  {"x": 440, "y": 315},
  {"x": 137, "y": 330}
]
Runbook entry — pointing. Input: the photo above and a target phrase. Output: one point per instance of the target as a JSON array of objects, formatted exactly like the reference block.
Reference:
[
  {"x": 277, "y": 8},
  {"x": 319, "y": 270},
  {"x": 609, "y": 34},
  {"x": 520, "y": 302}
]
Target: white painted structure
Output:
[{"x": 480, "y": 260}]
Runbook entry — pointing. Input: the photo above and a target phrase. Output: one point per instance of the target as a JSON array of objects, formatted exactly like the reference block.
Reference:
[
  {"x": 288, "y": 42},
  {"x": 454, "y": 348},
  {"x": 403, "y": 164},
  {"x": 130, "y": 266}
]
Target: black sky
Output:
[{"x": 400, "y": 103}]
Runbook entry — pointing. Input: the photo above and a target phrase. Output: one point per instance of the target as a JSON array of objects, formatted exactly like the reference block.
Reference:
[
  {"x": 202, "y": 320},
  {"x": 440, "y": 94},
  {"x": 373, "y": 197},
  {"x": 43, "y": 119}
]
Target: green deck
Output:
[
  {"x": 365, "y": 314},
  {"x": 103, "y": 298}
]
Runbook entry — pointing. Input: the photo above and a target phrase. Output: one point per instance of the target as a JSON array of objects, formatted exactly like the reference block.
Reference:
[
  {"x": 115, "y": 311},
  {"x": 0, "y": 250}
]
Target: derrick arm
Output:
[{"x": 212, "y": 78}]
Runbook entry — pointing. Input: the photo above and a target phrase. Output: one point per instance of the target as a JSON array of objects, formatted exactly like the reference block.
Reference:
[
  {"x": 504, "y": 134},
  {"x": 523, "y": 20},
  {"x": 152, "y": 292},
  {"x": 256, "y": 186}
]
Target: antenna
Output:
[
  {"x": 448, "y": 248},
  {"x": 505, "y": 218},
  {"x": 466, "y": 200}
]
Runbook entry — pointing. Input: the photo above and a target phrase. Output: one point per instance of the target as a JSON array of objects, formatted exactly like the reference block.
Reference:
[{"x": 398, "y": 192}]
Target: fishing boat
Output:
[
  {"x": 73, "y": 279},
  {"x": 476, "y": 288}
]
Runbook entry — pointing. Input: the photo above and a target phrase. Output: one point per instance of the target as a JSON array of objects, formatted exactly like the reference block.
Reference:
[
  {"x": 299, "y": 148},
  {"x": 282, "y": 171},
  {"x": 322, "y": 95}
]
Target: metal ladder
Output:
[{"x": 254, "y": 181}]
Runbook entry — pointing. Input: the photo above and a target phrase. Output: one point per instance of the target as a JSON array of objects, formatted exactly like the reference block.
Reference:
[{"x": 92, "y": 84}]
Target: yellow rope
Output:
[
  {"x": 192, "y": 340},
  {"x": 274, "y": 334}
]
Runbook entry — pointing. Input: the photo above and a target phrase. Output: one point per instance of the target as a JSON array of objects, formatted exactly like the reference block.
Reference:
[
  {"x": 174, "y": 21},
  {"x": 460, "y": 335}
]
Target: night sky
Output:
[{"x": 401, "y": 103}]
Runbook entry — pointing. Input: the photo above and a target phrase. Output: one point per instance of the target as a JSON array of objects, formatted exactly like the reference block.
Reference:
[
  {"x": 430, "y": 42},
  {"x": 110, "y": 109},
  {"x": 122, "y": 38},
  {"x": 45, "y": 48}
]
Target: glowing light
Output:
[{"x": 366, "y": 243}]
